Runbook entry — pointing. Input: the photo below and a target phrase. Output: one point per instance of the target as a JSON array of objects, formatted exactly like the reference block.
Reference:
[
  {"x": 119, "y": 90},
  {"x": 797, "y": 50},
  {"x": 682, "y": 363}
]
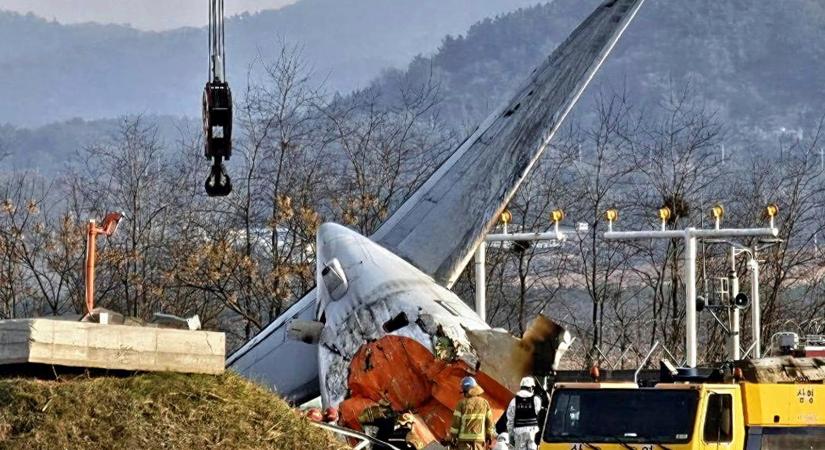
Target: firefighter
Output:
[
  {"x": 403, "y": 436},
  {"x": 472, "y": 427},
  {"x": 522, "y": 416},
  {"x": 381, "y": 417}
]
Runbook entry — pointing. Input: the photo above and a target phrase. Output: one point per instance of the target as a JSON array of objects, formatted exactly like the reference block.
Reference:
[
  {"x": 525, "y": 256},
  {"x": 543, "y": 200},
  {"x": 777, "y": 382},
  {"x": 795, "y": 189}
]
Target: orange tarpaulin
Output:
[{"x": 411, "y": 378}]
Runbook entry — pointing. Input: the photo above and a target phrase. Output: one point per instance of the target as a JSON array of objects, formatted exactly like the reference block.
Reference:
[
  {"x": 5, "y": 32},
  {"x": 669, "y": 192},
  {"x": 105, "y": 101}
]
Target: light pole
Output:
[
  {"x": 558, "y": 234},
  {"x": 690, "y": 236},
  {"x": 107, "y": 228}
]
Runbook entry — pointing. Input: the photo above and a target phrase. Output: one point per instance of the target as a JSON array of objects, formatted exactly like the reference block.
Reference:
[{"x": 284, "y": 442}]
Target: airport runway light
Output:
[
  {"x": 611, "y": 215},
  {"x": 557, "y": 216},
  {"x": 717, "y": 212},
  {"x": 664, "y": 216},
  {"x": 506, "y": 217},
  {"x": 771, "y": 211}
]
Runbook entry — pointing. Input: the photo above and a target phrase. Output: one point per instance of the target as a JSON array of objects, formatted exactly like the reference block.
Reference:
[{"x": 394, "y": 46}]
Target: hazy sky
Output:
[{"x": 143, "y": 14}]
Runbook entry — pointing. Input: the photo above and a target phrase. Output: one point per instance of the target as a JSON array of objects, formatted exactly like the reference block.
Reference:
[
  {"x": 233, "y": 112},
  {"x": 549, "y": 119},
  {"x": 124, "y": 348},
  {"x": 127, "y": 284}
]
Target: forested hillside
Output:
[
  {"x": 49, "y": 148},
  {"x": 54, "y": 72},
  {"x": 756, "y": 63}
]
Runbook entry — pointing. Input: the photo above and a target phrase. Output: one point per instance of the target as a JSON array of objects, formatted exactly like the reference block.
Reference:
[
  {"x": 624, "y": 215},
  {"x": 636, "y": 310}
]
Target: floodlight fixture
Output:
[
  {"x": 717, "y": 212},
  {"x": 611, "y": 215},
  {"x": 664, "y": 215},
  {"x": 771, "y": 211}
]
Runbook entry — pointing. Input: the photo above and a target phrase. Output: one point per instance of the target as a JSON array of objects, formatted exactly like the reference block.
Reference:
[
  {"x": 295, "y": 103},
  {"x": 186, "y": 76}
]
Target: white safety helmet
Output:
[{"x": 528, "y": 382}]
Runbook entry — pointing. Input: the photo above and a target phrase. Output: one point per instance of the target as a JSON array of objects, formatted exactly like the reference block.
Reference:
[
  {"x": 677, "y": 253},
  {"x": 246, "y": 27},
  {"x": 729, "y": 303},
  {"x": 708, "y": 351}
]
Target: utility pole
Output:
[{"x": 690, "y": 236}]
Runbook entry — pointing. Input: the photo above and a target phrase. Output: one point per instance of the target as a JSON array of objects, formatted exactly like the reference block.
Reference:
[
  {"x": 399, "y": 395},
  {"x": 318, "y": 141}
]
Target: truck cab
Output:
[
  {"x": 734, "y": 414},
  {"x": 667, "y": 416}
]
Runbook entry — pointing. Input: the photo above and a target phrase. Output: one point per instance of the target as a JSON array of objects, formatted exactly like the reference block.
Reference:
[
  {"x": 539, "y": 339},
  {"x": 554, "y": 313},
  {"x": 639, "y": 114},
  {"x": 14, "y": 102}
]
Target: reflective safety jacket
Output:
[{"x": 473, "y": 418}]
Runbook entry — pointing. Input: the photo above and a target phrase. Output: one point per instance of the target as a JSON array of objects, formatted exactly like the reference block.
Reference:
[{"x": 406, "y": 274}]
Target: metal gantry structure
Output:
[
  {"x": 217, "y": 107},
  {"x": 691, "y": 236},
  {"x": 558, "y": 234}
]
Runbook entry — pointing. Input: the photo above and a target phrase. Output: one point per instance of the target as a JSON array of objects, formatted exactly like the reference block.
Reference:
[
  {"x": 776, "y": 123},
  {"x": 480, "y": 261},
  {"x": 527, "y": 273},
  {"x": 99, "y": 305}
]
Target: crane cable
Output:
[
  {"x": 217, "y": 107},
  {"x": 217, "y": 52}
]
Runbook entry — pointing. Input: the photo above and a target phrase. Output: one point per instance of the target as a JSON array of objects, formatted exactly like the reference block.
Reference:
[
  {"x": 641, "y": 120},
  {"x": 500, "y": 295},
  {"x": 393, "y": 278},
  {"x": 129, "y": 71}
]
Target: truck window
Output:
[
  {"x": 631, "y": 415},
  {"x": 719, "y": 418}
]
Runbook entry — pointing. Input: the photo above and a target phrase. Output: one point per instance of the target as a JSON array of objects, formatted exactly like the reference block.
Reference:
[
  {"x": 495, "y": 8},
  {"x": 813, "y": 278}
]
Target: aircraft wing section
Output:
[
  {"x": 441, "y": 225},
  {"x": 286, "y": 366}
]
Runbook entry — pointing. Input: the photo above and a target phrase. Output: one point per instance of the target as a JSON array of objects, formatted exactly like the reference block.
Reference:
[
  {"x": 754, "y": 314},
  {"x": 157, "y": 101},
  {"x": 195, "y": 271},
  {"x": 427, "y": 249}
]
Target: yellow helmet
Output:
[{"x": 406, "y": 419}]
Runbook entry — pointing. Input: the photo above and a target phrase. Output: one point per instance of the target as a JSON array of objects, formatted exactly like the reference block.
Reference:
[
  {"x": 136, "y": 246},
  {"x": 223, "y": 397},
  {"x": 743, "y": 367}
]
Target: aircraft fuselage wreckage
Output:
[
  {"x": 382, "y": 322},
  {"x": 390, "y": 332}
]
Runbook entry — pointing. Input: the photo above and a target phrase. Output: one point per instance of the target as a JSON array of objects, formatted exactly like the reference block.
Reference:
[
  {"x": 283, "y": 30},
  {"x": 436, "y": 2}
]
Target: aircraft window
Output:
[
  {"x": 719, "y": 418},
  {"x": 396, "y": 323}
]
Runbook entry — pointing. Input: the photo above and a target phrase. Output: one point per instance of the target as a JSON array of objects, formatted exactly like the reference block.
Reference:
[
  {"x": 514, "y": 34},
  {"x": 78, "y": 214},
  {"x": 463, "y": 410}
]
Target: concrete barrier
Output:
[{"x": 115, "y": 347}]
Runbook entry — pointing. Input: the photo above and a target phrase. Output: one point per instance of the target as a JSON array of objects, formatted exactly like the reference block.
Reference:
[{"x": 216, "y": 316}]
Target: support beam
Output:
[
  {"x": 690, "y": 299},
  {"x": 558, "y": 234},
  {"x": 481, "y": 281},
  {"x": 756, "y": 311},
  {"x": 734, "y": 352}
]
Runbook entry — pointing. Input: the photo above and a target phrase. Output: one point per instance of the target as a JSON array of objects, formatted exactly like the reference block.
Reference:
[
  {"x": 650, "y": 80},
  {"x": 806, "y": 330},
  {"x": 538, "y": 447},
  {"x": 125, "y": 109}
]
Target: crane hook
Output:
[{"x": 218, "y": 184}]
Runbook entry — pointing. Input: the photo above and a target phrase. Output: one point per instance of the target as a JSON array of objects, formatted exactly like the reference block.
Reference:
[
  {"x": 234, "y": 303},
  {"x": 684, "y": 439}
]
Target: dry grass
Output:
[{"x": 151, "y": 411}]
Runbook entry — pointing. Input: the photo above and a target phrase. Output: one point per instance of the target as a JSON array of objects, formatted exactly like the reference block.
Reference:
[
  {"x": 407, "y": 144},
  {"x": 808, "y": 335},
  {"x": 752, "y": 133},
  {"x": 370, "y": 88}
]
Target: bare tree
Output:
[{"x": 389, "y": 147}]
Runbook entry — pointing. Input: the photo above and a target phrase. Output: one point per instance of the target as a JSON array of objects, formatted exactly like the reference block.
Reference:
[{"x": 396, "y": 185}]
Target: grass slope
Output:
[{"x": 151, "y": 411}]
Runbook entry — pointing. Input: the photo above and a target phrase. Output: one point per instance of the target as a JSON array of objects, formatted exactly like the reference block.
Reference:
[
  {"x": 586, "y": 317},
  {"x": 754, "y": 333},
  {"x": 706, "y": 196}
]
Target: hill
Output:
[
  {"x": 151, "y": 411},
  {"x": 54, "y": 72},
  {"x": 757, "y": 63},
  {"x": 754, "y": 63},
  {"x": 48, "y": 148}
]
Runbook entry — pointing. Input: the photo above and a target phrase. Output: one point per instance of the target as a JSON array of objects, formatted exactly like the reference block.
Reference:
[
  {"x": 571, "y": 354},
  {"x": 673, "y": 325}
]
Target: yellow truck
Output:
[{"x": 766, "y": 404}]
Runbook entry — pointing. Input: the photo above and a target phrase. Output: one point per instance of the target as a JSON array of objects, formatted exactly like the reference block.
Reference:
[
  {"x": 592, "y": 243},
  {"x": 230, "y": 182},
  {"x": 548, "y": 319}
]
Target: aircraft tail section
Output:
[{"x": 441, "y": 225}]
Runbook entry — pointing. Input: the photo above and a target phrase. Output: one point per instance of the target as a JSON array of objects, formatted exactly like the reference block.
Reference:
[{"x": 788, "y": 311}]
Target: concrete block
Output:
[{"x": 114, "y": 347}]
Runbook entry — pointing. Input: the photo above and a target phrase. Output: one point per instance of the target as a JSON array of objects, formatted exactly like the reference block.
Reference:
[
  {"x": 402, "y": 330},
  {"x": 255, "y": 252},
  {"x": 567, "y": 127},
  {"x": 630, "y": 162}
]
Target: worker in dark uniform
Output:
[
  {"x": 522, "y": 416},
  {"x": 380, "y": 416},
  {"x": 403, "y": 436}
]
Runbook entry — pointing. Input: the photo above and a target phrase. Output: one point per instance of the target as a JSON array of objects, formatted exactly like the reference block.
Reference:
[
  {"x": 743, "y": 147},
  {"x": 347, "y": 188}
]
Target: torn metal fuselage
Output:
[{"x": 390, "y": 333}]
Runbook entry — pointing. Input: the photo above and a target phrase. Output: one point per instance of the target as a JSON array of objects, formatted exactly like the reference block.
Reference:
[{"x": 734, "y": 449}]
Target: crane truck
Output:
[{"x": 761, "y": 404}]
